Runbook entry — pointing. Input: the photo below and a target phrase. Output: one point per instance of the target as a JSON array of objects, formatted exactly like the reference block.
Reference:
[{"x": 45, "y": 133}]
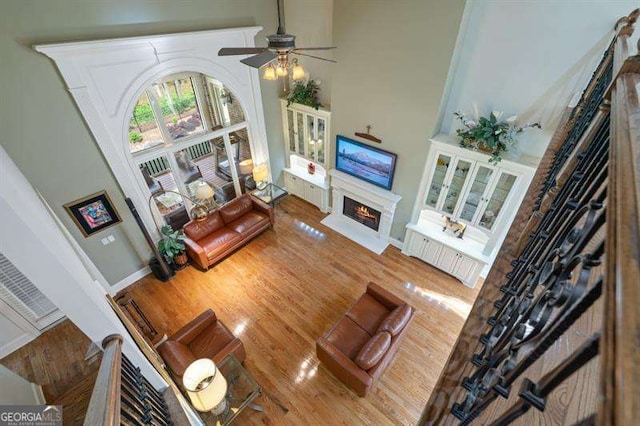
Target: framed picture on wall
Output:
[{"x": 93, "y": 213}]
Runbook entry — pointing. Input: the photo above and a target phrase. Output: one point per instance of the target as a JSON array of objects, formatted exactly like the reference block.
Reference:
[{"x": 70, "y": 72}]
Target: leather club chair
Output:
[
  {"x": 203, "y": 337},
  {"x": 359, "y": 348}
]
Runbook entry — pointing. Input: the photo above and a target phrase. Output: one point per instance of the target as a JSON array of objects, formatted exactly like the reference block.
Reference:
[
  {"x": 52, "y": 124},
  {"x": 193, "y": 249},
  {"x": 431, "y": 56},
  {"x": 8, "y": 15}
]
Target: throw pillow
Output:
[
  {"x": 373, "y": 351},
  {"x": 396, "y": 320}
]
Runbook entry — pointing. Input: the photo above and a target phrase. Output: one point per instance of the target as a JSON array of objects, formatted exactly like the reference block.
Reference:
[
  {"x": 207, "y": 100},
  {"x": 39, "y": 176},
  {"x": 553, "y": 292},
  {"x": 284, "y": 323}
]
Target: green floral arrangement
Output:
[
  {"x": 490, "y": 134},
  {"x": 305, "y": 94}
]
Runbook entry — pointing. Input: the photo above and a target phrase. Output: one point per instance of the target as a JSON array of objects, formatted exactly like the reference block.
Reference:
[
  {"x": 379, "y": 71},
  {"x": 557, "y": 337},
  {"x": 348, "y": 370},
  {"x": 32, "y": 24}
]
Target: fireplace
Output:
[
  {"x": 361, "y": 213},
  {"x": 368, "y": 221}
]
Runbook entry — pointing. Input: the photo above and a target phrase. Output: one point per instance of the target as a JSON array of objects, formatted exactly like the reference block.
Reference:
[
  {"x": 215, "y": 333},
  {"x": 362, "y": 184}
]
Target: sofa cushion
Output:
[
  {"x": 373, "y": 351},
  {"x": 236, "y": 208},
  {"x": 396, "y": 320},
  {"x": 211, "y": 341},
  {"x": 219, "y": 241},
  {"x": 177, "y": 356},
  {"x": 348, "y": 337},
  {"x": 199, "y": 229},
  {"x": 368, "y": 313},
  {"x": 247, "y": 223}
]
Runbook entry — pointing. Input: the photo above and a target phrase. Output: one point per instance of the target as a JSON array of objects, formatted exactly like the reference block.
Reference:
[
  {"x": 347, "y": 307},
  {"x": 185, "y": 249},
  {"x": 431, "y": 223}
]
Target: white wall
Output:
[
  {"x": 528, "y": 57},
  {"x": 12, "y": 336},
  {"x": 16, "y": 390},
  {"x": 32, "y": 241}
]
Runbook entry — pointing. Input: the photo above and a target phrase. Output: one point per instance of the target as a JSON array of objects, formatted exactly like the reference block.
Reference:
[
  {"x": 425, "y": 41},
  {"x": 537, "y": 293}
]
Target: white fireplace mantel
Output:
[{"x": 372, "y": 196}]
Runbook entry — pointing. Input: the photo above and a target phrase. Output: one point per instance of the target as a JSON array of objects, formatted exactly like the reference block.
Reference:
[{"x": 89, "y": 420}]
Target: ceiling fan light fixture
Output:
[
  {"x": 269, "y": 73},
  {"x": 281, "y": 71},
  {"x": 298, "y": 71}
]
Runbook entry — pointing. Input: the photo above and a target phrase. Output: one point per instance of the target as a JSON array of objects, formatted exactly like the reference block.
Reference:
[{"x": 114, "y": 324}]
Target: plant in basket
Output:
[
  {"x": 490, "y": 134},
  {"x": 172, "y": 247}
]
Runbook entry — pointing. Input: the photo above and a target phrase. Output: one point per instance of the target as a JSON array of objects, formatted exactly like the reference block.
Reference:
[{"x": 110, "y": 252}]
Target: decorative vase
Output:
[{"x": 311, "y": 168}]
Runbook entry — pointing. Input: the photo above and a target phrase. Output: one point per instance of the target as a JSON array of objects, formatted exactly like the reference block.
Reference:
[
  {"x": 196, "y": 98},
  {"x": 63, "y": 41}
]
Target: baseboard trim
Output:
[
  {"x": 396, "y": 243},
  {"x": 127, "y": 281},
  {"x": 38, "y": 394},
  {"x": 15, "y": 344}
]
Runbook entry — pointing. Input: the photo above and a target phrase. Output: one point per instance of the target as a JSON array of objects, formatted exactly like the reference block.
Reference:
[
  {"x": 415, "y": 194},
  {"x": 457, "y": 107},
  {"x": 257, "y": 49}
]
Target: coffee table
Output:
[
  {"x": 242, "y": 389},
  {"x": 270, "y": 194}
]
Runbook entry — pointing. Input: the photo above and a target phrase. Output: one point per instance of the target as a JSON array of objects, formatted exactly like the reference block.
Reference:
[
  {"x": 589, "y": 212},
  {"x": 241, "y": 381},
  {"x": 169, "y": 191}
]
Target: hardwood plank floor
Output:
[
  {"x": 55, "y": 360},
  {"x": 286, "y": 288}
]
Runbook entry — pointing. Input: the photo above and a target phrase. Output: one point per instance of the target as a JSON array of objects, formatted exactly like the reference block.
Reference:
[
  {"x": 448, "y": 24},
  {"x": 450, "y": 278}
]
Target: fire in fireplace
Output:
[{"x": 361, "y": 213}]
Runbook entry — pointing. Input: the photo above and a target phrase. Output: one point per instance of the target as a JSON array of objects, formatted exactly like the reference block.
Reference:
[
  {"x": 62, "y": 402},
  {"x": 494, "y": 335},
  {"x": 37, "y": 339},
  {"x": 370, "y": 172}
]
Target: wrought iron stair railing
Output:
[{"x": 122, "y": 395}]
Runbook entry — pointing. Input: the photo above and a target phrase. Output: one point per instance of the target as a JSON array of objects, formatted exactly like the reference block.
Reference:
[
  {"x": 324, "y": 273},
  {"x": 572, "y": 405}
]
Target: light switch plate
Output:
[
  {"x": 105, "y": 241},
  {"x": 111, "y": 238}
]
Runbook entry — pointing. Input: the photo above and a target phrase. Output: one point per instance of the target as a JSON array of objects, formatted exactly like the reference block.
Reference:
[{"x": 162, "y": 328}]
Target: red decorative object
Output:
[{"x": 311, "y": 168}]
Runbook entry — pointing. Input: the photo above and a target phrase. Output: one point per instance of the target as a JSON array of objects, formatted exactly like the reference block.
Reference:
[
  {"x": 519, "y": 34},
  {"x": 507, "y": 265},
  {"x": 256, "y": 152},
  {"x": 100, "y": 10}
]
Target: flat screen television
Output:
[{"x": 370, "y": 164}]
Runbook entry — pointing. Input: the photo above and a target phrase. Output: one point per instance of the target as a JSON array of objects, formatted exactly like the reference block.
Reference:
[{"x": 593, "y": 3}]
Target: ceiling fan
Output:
[{"x": 280, "y": 46}]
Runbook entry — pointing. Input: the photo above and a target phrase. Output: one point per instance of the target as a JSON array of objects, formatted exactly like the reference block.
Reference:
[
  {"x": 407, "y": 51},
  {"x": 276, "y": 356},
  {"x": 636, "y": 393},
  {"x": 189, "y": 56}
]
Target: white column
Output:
[{"x": 31, "y": 239}]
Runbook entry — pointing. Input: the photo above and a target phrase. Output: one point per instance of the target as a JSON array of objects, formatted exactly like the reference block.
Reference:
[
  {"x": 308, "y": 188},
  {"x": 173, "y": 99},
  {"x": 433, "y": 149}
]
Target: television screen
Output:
[{"x": 371, "y": 164}]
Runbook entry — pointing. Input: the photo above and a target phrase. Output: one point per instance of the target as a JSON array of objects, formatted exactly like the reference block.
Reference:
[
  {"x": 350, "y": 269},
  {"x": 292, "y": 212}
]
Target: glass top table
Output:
[
  {"x": 242, "y": 389},
  {"x": 270, "y": 194}
]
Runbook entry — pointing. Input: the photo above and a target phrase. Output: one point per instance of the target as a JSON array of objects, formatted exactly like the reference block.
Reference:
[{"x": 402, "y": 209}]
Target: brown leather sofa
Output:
[
  {"x": 363, "y": 343},
  {"x": 204, "y": 337},
  {"x": 226, "y": 229}
]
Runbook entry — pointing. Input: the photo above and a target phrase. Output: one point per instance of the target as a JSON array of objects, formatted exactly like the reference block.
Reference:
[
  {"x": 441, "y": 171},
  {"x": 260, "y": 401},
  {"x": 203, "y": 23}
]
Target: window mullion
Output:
[
  {"x": 182, "y": 189},
  {"x": 232, "y": 163},
  {"x": 157, "y": 112}
]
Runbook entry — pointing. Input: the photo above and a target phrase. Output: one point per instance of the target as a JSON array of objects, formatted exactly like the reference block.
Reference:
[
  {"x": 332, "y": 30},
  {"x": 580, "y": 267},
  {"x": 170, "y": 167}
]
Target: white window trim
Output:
[{"x": 106, "y": 78}]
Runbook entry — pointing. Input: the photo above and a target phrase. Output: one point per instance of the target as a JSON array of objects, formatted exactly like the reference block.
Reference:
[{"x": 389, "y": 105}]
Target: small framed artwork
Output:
[{"x": 93, "y": 213}]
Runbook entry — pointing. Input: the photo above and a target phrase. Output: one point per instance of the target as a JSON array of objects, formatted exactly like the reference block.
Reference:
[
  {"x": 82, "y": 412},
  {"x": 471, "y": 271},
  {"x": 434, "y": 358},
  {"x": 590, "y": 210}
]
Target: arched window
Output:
[{"x": 185, "y": 129}]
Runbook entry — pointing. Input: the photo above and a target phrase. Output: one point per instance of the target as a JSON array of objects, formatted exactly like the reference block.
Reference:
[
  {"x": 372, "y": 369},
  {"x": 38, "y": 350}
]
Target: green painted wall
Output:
[
  {"x": 393, "y": 58},
  {"x": 43, "y": 131}
]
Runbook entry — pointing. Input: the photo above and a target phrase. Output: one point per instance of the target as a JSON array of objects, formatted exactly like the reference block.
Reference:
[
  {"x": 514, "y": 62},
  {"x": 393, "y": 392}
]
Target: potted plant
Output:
[
  {"x": 305, "y": 94},
  {"x": 171, "y": 246},
  {"x": 490, "y": 134}
]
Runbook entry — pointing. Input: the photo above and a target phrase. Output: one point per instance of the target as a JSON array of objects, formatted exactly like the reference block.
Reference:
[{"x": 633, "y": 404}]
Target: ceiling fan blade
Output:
[
  {"x": 229, "y": 51},
  {"x": 316, "y": 48},
  {"x": 315, "y": 57},
  {"x": 260, "y": 60}
]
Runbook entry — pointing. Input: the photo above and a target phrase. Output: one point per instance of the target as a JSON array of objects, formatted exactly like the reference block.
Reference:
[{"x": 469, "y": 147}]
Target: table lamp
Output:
[
  {"x": 260, "y": 175},
  {"x": 206, "y": 386},
  {"x": 246, "y": 166},
  {"x": 204, "y": 193}
]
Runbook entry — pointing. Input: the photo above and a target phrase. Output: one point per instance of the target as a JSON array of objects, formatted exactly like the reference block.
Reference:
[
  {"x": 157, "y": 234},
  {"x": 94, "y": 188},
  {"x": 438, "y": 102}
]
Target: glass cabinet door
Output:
[
  {"x": 475, "y": 197},
  {"x": 437, "y": 180},
  {"x": 311, "y": 137},
  {"x": 454, "y": 189},
  {"x": 292, "y": 131},
  {"x": 300, "y": 132},
  {"x": 497, "y": 199},
  {"x": 320, "y": 140}
]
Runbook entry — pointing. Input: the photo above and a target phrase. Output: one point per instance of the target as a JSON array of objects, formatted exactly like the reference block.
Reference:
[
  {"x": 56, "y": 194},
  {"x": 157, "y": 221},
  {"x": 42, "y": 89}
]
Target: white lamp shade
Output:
[
  {"x": 260, "y": 172},
  {"x": 269, "y": 73},
  {"x": 298, "y": 72},
  {"x": 246, "y": 166},
  {"x": 281, "y": 71},
  {"x": 204, "y": 191},
  {"x": 205, "y": 384}
]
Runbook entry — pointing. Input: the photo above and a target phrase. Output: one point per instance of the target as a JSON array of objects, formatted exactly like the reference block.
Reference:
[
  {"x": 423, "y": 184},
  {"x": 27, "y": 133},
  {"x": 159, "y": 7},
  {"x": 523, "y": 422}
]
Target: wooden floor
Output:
[
  {"x": 55, "y": 360},
  {"x": 290, "y": 285}
]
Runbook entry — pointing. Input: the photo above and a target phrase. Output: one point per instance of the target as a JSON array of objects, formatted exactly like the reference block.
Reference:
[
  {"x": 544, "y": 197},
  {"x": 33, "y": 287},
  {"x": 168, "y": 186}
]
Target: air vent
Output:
[{"x": 25, "y": 298}]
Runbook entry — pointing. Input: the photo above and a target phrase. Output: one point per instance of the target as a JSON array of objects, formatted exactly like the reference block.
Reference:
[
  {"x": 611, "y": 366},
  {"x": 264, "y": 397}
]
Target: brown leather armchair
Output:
[
  {"x": 204, "y": 337},
  {"x": 226, "y": 229},
  {"x": 359, "y": 348}
]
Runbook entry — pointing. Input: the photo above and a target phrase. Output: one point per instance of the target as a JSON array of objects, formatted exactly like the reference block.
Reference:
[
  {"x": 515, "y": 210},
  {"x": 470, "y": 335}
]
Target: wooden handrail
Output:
[
  {"x": 104, "y": 406},
  {"x": 620, "y": 381}
]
